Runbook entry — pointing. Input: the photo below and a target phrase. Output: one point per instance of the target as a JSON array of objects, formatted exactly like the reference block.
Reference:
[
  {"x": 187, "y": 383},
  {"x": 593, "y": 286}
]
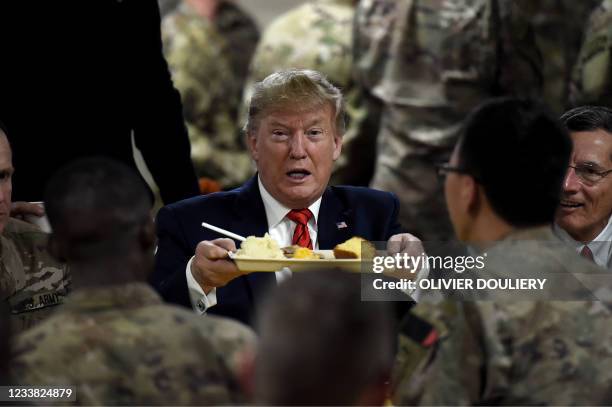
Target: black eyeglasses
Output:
[
  {"x": 444, "y": 168},
  {"x": 589, "y": 175}
]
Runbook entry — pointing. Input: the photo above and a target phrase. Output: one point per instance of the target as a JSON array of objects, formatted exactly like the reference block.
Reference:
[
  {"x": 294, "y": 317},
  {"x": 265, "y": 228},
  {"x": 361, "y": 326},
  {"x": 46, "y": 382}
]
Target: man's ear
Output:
[
  {"x": 337, "y": 146},
  {"x": 251, "y": 140},
  {"x": 472, "y": 197},
  {"x": 56, "y": 248}
]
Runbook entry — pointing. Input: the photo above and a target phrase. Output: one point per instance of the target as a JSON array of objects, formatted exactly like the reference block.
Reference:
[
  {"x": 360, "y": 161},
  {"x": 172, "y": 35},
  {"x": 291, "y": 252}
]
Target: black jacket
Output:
[{"x": 76, "y": 78}]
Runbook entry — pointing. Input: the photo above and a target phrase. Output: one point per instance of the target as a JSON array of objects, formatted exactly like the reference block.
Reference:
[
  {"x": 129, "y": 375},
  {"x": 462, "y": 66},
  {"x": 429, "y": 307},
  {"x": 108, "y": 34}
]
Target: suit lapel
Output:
[
  {"x": 249, "y": 211},
  {"x": 335, "y": 223}
]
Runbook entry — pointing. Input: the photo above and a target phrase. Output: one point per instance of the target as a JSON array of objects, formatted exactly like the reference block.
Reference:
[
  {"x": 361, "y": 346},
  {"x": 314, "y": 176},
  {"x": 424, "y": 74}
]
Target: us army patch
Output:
[{"x": 26, "y": 302}]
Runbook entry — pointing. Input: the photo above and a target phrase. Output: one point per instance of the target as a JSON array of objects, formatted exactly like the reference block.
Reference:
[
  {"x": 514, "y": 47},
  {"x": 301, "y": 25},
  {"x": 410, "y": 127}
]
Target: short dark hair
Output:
[
  {"x": 3, "y": 128},
  {"x": 329, "y": 357},
  {"x": 518, "y": 151},
  {"x": 96, "y": 203},
  {"x": 588, "y": 118}
]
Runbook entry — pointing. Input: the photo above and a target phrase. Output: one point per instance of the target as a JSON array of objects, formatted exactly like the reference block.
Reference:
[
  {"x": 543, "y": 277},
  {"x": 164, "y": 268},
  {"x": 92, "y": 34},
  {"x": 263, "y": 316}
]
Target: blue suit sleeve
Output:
[
  {"x": 393, "y": 226},
  {"x": 173, "y": 253}
]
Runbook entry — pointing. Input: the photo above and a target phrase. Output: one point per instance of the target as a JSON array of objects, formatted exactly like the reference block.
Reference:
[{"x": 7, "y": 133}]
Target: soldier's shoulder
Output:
[
  {"x": 227, "y": 336},
  {"x": 45, "y": 280},
  {"x": 41, "y": 346},
  {"x": 221, "y": 340},
  {"x": 216, "y": 329},
  {"x": 27, "y": 238},
  {"x": 141, "y": 346},
  {"x": 229, "y": 331},
  {"x": 31, "y": 244},
  {"x": 546, "y": 256}
]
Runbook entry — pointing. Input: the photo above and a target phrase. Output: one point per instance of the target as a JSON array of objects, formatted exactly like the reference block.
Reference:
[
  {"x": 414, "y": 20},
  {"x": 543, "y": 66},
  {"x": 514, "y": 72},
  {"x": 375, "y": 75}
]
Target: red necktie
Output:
[
  {"x": 587, "y": 253},
  {"x": 301, "y": 236}
]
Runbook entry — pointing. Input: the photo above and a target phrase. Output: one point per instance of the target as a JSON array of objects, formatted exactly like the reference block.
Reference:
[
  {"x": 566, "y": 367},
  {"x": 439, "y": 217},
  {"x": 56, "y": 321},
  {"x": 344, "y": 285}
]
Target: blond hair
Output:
[{"x": 294, "y": 90}]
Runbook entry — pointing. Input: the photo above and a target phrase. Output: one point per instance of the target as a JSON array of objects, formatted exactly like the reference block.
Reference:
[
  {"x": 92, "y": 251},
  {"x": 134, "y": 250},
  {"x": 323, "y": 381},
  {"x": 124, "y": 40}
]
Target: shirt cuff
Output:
[
  {"x": 200, "y": 301},
  {"x": 423, "y": 273}
]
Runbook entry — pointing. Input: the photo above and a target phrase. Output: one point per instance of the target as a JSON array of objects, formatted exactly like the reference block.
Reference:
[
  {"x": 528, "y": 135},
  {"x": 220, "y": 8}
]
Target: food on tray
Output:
[
  {"x": 298, "y": 252},
  {"x": 266, "y": 248},
  {"x": 355, "y": 248},
  {"x": 260, "y": 248}
]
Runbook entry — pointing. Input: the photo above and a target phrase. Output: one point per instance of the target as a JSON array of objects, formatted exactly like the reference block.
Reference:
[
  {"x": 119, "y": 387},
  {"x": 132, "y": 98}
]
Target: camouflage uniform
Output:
[
  {"x": 559, "y": 26},
  {"x": 511, "y": 352},
  {"x": 122, "y": 345},
  {"x": 316, "y": 35},
  {"x": 31, "y": 281},
  {"x": 430, "y": 62},
  {"x": 591, "y": 79},
  {"x": 209, "y": 63}
]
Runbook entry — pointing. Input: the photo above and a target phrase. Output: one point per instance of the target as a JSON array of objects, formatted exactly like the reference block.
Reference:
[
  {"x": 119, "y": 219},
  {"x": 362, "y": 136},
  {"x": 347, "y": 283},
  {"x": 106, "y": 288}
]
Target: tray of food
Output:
[{"x": 258, "y": 254}]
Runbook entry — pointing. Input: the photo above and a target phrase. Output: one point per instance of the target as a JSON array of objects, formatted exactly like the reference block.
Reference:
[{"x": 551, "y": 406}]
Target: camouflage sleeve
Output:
[
  {"x": 373, "y": 29},
  {"x": 592, "y": 74},
  {"x": 450, "y": 371},
  {"x": 355, "y": 166},
  {"x": 242, "y": 35},
  {"x": 369, "y": 54},
  {"x": 519, "y": 63}
]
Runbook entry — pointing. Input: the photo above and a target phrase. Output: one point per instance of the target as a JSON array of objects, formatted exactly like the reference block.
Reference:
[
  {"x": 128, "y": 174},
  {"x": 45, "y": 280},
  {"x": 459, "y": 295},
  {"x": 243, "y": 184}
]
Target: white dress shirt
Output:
[
  {"x": 280, "y": 229},
  {"x": 601, "y": 246}
]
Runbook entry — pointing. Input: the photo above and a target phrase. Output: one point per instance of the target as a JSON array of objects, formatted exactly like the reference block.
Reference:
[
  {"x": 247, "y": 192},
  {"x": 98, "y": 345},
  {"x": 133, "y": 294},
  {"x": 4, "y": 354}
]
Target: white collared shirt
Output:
[
  {"x": 601, "y": 246},
  {"x": 280, "y": 229}
]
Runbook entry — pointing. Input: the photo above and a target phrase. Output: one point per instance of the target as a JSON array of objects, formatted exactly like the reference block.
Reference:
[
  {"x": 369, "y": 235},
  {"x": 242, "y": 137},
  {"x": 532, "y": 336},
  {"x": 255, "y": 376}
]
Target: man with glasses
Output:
[{"x": 584, "y": 217}]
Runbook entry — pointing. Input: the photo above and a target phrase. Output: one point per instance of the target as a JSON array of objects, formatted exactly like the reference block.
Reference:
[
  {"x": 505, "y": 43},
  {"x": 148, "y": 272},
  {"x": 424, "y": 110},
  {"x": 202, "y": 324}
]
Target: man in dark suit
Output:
[
  {"x": 77, "y": 78},
  {"x": 294, "y": 131}
]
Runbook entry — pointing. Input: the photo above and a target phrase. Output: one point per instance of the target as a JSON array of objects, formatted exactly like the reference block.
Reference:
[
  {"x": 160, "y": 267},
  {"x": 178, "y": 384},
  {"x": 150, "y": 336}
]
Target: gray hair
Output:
[{"x": 294, "y": 89}]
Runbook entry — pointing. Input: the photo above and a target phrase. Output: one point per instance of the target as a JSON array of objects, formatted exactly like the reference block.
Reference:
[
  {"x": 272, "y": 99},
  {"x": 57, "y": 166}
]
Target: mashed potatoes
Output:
[{"x": 260, "y": 248}]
